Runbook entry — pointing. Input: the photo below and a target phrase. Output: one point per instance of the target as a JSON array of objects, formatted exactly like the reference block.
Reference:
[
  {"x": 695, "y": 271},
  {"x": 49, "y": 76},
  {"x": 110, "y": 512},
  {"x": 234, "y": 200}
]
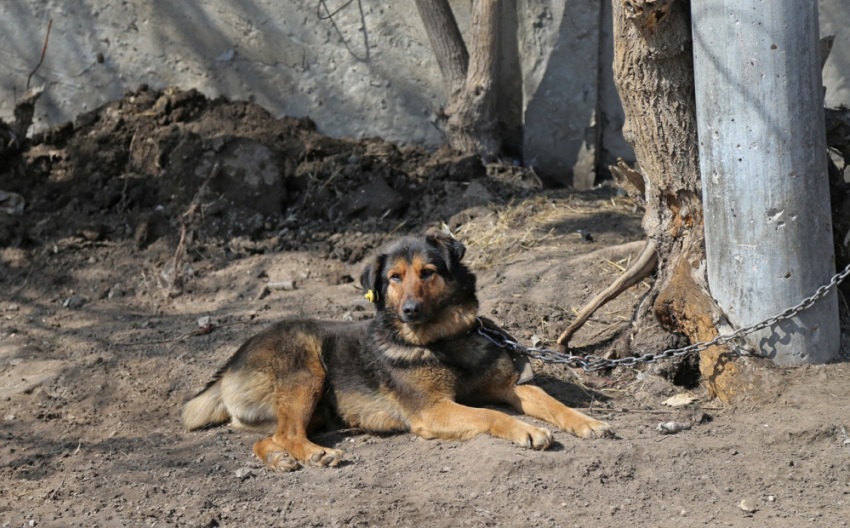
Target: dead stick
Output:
[
  {"x": 122, "y": 203},
  {"x": 644, "y": 265},
  {"x": 186, "y": 220},
  {"x": 43, "y": 51},
  {"x": 196, "y": 201}
]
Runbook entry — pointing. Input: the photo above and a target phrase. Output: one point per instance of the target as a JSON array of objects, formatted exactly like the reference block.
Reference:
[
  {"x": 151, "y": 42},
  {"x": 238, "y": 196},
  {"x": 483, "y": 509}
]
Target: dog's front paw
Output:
[
  {"x": 533, "y": 437},
  {"x": 281, "y": 462},
  {"x": 590, "y": 428},
  {"x": 326, "y": 457}
]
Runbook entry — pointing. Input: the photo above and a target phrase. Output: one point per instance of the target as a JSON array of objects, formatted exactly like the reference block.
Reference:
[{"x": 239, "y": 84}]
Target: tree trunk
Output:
[
  {"x": 470, "y": 78},
  {"x": 447, "y": 42},
  {"x": 653, "y": 71}
]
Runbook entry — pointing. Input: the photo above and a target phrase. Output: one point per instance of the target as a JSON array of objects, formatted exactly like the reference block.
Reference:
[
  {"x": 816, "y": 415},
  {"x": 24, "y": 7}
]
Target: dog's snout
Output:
[{"x": 411, "y": 309}]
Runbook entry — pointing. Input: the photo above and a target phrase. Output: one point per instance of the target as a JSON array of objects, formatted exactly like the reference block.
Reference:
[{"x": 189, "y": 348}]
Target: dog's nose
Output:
[{"x": 411, "y": 309}]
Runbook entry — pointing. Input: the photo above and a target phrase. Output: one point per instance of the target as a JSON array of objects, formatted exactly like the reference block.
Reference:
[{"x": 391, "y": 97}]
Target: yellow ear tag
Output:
[{"x": 372, "y": 296}]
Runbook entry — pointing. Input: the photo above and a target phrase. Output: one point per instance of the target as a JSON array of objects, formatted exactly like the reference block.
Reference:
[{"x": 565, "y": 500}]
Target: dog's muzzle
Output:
[{"x": 411, "y": 312}]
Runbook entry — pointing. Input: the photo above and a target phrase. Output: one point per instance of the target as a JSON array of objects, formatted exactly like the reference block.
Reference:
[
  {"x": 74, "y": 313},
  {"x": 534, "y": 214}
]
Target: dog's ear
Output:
[
  {"x": 371, "y": 278},
  {"x": 451, "y": 249}
]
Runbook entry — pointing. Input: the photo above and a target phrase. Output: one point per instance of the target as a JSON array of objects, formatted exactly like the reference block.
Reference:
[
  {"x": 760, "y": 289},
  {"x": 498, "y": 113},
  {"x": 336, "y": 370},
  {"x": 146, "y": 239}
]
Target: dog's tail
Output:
[{"x": 207, "y": 408}]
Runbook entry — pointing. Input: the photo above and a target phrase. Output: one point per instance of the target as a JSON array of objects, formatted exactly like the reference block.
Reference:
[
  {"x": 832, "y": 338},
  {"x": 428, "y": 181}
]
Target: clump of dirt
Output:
[
  {"x": 140, "y": 161},
  {"x": 264, "y": 218}
]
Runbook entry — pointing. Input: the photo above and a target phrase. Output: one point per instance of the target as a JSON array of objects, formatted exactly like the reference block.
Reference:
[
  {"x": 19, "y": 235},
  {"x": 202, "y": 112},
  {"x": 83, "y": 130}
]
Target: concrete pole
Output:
[{"x": 768, "y": 228}]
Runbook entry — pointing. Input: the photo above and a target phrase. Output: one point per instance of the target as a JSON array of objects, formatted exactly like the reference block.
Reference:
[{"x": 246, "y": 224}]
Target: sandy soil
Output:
[{"x": 104, "y": 334}]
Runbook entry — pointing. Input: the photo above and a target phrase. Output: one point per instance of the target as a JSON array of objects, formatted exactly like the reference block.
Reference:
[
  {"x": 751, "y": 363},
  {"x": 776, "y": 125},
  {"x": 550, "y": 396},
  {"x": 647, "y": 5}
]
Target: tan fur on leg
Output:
[
  {"x": 534, "y": 401},
  {"x": 448, "y": 420}
]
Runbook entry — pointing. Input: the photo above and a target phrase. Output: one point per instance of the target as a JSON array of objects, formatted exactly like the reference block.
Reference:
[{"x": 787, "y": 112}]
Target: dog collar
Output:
[{"x": 372, "y": 296}]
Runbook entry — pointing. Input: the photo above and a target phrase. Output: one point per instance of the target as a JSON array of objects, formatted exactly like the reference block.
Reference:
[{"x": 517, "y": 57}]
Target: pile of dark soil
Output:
[{"x": 132, "y": 167}]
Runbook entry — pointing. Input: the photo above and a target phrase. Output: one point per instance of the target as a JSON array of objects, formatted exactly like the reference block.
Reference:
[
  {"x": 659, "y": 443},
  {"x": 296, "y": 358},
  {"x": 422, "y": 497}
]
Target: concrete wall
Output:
[
  {"x": 354, "y": 82},
  {"x": 367, "y": 72}
]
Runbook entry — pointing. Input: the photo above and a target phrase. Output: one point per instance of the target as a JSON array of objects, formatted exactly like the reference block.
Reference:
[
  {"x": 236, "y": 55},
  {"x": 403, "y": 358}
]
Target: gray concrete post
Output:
[{"x": 768, "y": 227}]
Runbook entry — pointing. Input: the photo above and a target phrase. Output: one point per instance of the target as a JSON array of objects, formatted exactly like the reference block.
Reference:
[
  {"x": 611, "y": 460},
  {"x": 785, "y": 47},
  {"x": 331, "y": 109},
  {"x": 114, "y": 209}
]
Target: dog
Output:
[{"x": 419, "y": 366}]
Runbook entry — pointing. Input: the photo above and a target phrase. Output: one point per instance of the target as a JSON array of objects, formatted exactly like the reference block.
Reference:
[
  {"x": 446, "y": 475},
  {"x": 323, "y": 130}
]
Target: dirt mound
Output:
[{"x": 153, "y": 151}]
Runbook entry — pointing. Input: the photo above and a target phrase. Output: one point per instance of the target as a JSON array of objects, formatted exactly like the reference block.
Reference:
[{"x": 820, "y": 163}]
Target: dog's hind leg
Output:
[
  {"x": 295, "y": 400},
  {"x": 534, "y": 401}
]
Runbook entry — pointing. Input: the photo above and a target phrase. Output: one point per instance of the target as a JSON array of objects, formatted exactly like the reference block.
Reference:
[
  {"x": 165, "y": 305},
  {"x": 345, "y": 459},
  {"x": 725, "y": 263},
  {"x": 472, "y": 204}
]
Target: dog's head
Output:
[{"x": 421, "y": 288}]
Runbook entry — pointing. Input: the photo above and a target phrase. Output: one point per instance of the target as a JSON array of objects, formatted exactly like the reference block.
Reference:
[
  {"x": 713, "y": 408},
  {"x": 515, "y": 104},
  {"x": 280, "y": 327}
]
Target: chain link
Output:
[{"x": 590, "y": 363}]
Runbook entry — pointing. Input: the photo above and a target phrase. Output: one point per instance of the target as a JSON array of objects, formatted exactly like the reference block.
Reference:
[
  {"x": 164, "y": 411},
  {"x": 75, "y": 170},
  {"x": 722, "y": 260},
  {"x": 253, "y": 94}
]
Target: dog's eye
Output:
[
  {"x": 426, "y": 274},
  {"x": 395, "y": 277}
]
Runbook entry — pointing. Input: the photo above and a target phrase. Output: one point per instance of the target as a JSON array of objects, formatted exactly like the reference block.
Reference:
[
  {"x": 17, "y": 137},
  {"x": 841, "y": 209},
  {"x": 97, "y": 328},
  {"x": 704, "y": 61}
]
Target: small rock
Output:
[
  {"x": 445, "y": 469},
  {"x": 771, "y": 498},
  {"x": 281, "y": 285},
  {"x": 679, "y": 400},
  {"x": 102, "y": 291},
  {"x": 204, "y": 321},
  {"x": 11, "y": 203},
  {"x": 473, "y": 495},
  {"x": 115, "y": 291},
  {"x": 536, "y": 341},
  {"x": 244, "y": 473},
  {"x": 672, "y": 427},
  {"x": 348, "y": 317},
  {"x": 227, "y": 56},
  {"x": 75, "y": 301},
  {"x": 12, "y": 308},
  {"x": 747, "y": 506},
  {"x": 733, "y": 452}
]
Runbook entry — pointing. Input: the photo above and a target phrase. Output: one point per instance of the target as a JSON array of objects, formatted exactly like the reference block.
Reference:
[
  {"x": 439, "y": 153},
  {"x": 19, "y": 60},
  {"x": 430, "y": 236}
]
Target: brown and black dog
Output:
[{"x": 415, "y": 367}]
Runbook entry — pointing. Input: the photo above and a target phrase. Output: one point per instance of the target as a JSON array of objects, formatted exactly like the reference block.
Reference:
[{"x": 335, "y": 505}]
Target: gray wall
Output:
[{"x": 369, "y": 73}]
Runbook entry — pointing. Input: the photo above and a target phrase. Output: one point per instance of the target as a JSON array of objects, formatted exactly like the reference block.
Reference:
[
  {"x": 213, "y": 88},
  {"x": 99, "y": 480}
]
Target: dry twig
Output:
[
  {"x": 43, "y": 51},
  {"x": 176, "y": 281}
]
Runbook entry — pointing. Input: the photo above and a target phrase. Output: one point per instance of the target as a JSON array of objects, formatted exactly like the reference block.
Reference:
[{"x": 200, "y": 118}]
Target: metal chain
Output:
[{"x": 590, "y": 363}]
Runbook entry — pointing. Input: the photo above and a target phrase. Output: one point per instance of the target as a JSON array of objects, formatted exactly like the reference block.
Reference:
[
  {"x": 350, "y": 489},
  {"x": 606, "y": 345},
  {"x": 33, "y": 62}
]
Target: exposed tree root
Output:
[{"x": 643, "y": 266}]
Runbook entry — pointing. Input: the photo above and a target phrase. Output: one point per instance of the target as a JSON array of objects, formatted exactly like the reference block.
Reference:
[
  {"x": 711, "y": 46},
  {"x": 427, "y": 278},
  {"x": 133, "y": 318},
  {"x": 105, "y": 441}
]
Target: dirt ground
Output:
[{"x": 109, "y": 322}]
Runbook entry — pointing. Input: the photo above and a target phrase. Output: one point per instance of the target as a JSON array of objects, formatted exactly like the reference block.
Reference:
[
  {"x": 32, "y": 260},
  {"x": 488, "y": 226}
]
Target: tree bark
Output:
[
  {"x": 447, "y": 43},
  {"x": 653, "y": 71},
  {"x": 470, "y": 78}
]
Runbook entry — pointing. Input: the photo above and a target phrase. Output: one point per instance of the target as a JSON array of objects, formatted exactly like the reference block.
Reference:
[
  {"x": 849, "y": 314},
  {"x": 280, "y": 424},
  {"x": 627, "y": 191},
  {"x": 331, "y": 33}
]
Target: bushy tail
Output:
[{"x": 207, "y": 408}]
